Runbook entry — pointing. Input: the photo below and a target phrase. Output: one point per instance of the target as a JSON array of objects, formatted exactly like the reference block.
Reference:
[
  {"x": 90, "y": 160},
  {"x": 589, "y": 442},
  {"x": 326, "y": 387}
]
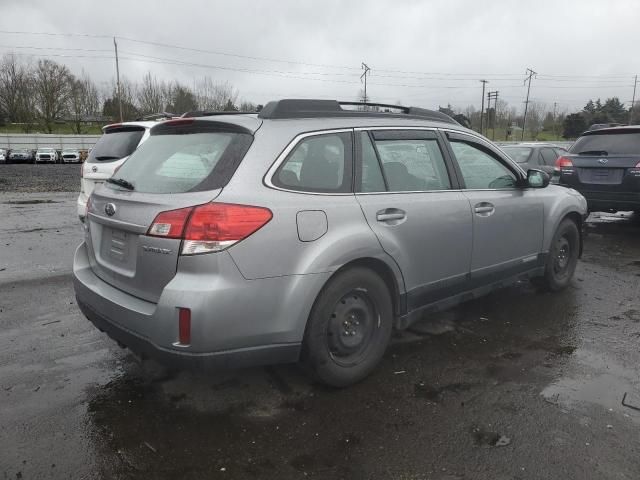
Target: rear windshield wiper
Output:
[
  {"x": 594, "y": 152},
  {"x": 121, "y": 182},
  {"x": 106, "y": 157}
]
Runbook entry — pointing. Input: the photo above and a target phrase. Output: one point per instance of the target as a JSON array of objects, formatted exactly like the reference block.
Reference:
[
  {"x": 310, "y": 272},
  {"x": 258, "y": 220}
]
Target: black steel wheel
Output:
[
  {"x": 349, "y": 328},
  {"x": 563, "y": 257}
]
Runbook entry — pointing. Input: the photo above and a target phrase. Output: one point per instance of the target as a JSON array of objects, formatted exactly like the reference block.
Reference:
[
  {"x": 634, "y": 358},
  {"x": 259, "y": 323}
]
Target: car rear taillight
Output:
[
  {"x": 564, "y": 162},
  {"x": 211, "y": 227},
  {"x": 170, "y": 224}
]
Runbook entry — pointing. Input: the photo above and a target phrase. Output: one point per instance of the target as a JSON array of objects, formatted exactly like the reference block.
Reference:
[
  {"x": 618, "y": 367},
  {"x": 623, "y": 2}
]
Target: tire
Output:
[
  {"x": 563, "y": 257},
  {"x": 348, "y": 329}
]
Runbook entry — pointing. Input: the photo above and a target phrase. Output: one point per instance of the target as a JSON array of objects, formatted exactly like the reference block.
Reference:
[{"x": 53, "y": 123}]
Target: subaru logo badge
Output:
[
  {"x": 603, "y": 161},
  {"x": 94, "y": 169},
  {"x": 110, "y": 209}
]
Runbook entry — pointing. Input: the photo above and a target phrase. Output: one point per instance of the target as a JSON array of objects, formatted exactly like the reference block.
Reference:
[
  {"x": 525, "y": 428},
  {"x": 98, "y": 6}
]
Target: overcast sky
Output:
[{"x": 423, "y": 53}]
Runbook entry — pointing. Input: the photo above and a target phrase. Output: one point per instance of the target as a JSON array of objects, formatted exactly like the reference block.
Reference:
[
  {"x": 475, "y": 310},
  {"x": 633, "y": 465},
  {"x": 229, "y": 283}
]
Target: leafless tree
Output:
[
  {"x": 214, "y": 96},
  {"x": 84, "y": 101},
  {"x": 52, "y": 88},
  {"x": 535, "y": 116},
  {"x": 247, "y": 106},
  {"x": 16, "y": 98},
  {"x": 151, "y": 95}
]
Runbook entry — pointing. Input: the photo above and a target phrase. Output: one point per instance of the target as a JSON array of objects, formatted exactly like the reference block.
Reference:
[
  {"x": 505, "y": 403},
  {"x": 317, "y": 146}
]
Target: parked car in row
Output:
[
  {"x": 46, "y": 155},
  {"x": 604, "y": 165},
  {"x": 108, "y": 154},
  {"x": 70, "y": 155},
  {"x": 535, "y": 155},
  {"x": 308, "y": 232},
  {"x": 3, "y": 156},
  {"x": 21, "y": 155}
]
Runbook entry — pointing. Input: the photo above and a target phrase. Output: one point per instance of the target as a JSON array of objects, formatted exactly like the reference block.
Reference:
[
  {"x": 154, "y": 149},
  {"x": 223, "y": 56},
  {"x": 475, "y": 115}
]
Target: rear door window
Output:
[
  {"x": 116, "y": 144},
  {"x": 318, "y": 163},
  {"x": 185, "y": 159},
  {"x": 411, "y": 160}
]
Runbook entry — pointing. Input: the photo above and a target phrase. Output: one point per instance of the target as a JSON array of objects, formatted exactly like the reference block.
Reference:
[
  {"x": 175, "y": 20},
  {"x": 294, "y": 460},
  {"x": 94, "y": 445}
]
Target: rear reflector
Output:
[
  {"x": 184, "y": 326},
  {"x": 211, "y": 227},
  {"x": 564, "y": 162}
]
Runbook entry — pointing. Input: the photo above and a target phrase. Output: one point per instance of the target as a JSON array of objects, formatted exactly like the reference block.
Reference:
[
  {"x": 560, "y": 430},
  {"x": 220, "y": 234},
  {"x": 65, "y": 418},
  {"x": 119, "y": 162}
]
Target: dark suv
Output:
[{"x": 604, "y": 165}]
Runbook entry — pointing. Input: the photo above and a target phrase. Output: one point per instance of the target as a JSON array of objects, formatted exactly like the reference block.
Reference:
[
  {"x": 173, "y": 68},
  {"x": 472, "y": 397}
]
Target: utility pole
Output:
[
  {"x": 531, "y": 73},
  {"x": 633, "y": 101},
  {"x": 494, "y": 96},
  {"x": 484, "y": 83},
  {"x": 555, "y": 109},
  {"x": 115, "y": 45},
  {"x": 366, "y": 69}
]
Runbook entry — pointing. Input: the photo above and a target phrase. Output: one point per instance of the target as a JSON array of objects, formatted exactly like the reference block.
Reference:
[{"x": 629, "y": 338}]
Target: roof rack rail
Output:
[
  {"x": 312, "y": 108},
  {"x": 156, "y": 116},
  {"x": 204, "y": 113}
]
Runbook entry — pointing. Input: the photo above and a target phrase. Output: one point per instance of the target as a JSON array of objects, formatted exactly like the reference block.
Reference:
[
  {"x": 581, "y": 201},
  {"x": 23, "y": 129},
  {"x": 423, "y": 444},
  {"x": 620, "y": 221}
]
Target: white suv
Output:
[{"x": 111, "y": 151}]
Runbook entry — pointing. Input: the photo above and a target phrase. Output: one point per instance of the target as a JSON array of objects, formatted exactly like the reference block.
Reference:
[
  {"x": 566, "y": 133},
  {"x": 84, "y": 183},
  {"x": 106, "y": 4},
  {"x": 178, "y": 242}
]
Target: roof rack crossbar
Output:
[{"x": 312, "y": 108}]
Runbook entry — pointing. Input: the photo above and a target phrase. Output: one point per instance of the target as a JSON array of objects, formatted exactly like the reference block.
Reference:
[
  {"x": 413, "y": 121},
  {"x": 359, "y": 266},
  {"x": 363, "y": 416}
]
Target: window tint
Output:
[
  {"x": 518, "y": 154},
  {"x": 611, "y": 143},
  {"x": 115, "y": 145},
  {"x": 320, "y": 163},
  {"x": 372, "y": 180},
  {"x": 413, "y": 165},
  {"x": 479, "y": 169},
  {"x": 185, "y": 162},
  {"x": 549, "y": 156}
]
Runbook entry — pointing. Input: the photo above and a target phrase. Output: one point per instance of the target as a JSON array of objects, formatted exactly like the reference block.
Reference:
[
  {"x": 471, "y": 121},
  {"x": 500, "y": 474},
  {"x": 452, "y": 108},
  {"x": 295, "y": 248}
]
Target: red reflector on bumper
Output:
[{"x": 184, "y": 326}]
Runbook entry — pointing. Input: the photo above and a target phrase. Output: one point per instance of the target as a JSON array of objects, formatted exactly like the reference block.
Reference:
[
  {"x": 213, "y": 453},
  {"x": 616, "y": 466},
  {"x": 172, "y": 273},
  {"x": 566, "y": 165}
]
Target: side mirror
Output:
[{"x": 537, "y": 178}]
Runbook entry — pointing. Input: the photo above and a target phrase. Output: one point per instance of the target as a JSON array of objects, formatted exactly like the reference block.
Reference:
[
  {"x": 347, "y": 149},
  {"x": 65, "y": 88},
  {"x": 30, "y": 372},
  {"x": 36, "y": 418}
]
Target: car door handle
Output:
[
  {"x": 390, "y": 215},
  {"x": 484, "y": 209}
]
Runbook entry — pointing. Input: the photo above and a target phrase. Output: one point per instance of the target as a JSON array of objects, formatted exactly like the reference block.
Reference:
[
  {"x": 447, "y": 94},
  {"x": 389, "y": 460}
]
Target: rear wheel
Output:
[
  {"x": 349, "y": 328},
  {"x": 563, "y": 257}
]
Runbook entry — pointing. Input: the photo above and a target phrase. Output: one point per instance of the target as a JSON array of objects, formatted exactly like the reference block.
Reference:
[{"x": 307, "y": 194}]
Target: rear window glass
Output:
[
  {"x": 518, "y": 154},
  {"x": 185, "y": 162},
  {"x": 608, "y": 144},
  {"x": 115, "y": 145}
]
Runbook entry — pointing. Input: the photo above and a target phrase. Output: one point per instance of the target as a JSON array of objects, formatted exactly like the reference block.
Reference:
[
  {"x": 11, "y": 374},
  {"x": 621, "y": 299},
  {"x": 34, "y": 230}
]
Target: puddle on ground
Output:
[{"x": 598, "y": 380}]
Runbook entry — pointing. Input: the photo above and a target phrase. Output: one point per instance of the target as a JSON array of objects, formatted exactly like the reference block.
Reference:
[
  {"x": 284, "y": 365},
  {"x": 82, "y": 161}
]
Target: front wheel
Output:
[
  {"x": 563, "y": 257},
  {"x": 349, "y": 328}
]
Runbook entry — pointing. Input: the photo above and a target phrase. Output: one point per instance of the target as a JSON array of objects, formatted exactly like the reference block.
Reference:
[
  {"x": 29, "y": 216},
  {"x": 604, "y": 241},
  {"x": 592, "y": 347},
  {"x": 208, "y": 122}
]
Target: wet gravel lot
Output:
[
  {"x": 517, "y": 385},
  {"x": 40, "y": 178}
]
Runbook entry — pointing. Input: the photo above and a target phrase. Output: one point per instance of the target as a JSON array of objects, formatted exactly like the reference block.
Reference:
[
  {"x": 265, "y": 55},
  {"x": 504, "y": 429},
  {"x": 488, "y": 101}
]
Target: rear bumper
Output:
[
  {"x": 231, "y": 359},
  {"x": 234, "y": 322},
  {"x": 620, "y": 201}
]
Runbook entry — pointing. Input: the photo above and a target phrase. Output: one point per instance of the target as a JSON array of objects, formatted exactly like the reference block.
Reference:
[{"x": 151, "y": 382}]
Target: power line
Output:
[{"x": 297, "y": 62}]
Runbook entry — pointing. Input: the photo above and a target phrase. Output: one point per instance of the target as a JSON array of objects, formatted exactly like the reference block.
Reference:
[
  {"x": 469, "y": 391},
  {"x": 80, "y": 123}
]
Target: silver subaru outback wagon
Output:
[{"x": 308, "y": 232}]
